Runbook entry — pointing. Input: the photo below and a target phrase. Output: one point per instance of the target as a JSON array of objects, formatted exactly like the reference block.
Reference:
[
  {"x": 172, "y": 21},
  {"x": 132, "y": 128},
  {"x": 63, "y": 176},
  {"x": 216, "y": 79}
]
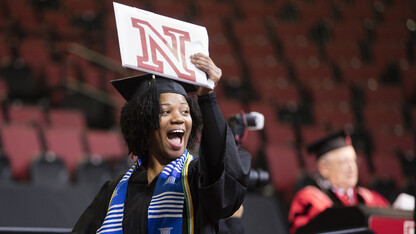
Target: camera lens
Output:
[{"x": 258, "y": 178}]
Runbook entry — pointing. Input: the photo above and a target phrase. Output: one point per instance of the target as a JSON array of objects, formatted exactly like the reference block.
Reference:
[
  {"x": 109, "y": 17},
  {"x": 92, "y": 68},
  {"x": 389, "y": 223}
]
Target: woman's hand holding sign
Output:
[{"x": 205, "y": 63}]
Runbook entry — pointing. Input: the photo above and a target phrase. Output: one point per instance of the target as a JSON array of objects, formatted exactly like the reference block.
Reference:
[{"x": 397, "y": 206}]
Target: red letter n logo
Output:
[{"x": 152, "y": 42}]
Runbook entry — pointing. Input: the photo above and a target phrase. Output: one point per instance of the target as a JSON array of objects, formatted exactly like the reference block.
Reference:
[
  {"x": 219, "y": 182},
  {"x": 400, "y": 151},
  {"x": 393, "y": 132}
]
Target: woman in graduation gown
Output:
[{"x": 167, "y": 191}]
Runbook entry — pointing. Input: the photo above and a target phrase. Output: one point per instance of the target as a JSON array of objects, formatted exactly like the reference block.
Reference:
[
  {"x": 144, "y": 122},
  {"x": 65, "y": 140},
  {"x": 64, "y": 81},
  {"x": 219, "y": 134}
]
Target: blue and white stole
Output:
[{"x": 166, "y": 207}]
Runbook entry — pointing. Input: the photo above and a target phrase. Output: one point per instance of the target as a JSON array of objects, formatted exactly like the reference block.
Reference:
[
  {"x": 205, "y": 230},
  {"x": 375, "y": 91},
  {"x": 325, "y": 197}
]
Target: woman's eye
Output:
[{"x": 164, "y": 112}]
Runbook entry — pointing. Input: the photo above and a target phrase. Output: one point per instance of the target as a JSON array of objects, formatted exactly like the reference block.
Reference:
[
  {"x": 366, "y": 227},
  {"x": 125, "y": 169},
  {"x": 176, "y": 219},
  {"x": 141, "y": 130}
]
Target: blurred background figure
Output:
[{"x": 336, "y": 183}]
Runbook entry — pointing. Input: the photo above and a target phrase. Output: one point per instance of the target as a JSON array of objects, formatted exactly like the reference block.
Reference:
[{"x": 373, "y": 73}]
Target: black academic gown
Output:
[{"x": 218, "y": 181}]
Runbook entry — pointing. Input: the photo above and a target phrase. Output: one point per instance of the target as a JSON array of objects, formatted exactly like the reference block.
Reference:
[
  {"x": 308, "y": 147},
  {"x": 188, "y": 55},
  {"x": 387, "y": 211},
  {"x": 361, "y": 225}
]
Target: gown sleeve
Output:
[
  {"x": 223, "y": 171},
  {"x": 306, "y": 205}
]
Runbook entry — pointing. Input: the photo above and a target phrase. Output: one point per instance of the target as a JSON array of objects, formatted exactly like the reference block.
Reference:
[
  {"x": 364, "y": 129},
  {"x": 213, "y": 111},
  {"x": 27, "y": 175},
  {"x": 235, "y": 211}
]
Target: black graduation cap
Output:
[
  {"x": 331, "y": 142},
  {"x": 153, "y": 85},
  {"x": 135, "y": 85}
]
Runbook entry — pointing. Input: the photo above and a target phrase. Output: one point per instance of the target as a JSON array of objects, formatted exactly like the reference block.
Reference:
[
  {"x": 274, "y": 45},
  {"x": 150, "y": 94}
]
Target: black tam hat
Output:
[
  {"x": 331, "y": 142},
  {"x": 153, "y": 86}
]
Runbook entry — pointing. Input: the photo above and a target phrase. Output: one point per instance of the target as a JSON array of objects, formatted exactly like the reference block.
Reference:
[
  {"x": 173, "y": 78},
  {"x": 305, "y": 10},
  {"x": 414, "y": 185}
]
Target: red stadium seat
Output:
[
  {"x": 364, "y": 174},
  {"x": 106, "y": 145},
  {"x": 311, "y": 134},
  {"x": 390, "y": 143},
  {"x": 385, "y": 52},
  {"x": 257, "y": 10},
  {"x": 392, "y": 32},
  {"x": 283, "y": 167},
  {"x": 23, "y": 114},
  {"x": 292, "y": 32},
  {"x": 384, "y": 97},
  {"x": 207, "y": 9},
  {"x": 173, "y": 9},
  {"x": 67, "y": 144},
  {"x": 337, "y": 94},
  {"x": 359, "y": 10},
  {"x": 315, "y": 11},
  {"x": 388, "y": 167},
  {"x": 409, "y": 83},
  {"x": 22, "y": 144},
  {"x": 309, "y": 161},
  {"x": 78, "y": 7},
  {"x": 230, "y": 107},
  {"x": 252, "y": 143},
  {"x": 360, "y": 75},
  {"x": 343, "y": 52},
  {"x": 385, "y": 122},
  {"x": 350, "y": 31},
  {"x": 4, "y": 49},
  {"x": 333, "y": 118},
  {"x": 69, "y": 118},
  {"x": 35, "y": 52},
  {"x": 268, "y": 110},
  {"x": 279, "y": 135},
  {"x": 21, "y": 11},
  {"x": 315, "y": 77},
  {"x": 300, "y": 52}
]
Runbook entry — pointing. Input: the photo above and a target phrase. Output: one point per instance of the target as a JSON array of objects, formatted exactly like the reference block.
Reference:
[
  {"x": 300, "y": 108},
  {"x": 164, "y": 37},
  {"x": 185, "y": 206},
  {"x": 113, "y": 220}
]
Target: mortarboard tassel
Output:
[{"x": 154, "y": 101}]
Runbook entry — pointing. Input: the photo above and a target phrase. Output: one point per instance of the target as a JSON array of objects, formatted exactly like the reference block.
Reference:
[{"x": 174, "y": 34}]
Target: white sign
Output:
[{"x": 160, "y": 45}]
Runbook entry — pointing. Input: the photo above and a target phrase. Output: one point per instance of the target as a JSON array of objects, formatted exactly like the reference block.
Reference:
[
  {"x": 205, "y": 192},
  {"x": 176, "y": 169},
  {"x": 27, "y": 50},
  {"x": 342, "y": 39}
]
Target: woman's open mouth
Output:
[{"x": 175, "y": 138}]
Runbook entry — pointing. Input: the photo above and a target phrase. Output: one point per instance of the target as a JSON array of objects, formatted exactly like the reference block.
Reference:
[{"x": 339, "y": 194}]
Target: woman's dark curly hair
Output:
[{"x": 137, "y": 122}]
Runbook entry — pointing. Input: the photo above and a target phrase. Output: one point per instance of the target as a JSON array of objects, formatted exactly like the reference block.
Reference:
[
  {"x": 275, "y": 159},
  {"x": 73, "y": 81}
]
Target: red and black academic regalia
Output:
[
  {"x": 217, "y": 179},
  {"x": 311, "y": 201}
]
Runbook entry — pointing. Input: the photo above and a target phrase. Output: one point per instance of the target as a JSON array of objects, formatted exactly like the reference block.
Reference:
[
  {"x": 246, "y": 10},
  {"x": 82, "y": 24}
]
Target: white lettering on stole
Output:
[{"x": 165, "y": 230}]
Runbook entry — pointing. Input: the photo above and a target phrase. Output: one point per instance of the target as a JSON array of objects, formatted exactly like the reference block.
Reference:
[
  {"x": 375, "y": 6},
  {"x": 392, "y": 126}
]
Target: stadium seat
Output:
[
  {"x": 360, "y": 75},
  {"x": 173, "y": 9},
  {"x": 364, "y": 173},
  {"x": 315, "y": 11},
  {"x": 316, "y": 76},
  {"x": 267, "y": 109},
  {"x": 69, "y": 118},
  {"x": 280, "y": 135},
  {"x": 253, "y": 143},
  {"x": 35, "y": 52},
  {"x": 230, "y": 107},
  {"x": 300, "y": 53},
  {"x": 4, "y": 49},
  {"x": 106, "y": 145},
  {"x": 310, "y": 134},
  {"x": 25, "y": 114},
  {"x": 22, "y": 144},
  {"x": 67, "y": 143},
  {"x": 333, "y": 118},
  {"x": 48, "y": 171},
  {"x": 283, "y": 168},
  {"x": 384, "y": 97},
  {"x": 92, "y": 173},
  {"x": 386, "y": 52},
  {"x": 350, "y": 31},
  {"x": 390, "y": 144},
  {"x": 409, "y": 83},
  {"x": 206, "y": 9},
  {"x": 336, "y": 94},
  {"x": 388, "y": 167},
  {"x": 256, "y": 10},
  {"x": 343, "y": 52}
]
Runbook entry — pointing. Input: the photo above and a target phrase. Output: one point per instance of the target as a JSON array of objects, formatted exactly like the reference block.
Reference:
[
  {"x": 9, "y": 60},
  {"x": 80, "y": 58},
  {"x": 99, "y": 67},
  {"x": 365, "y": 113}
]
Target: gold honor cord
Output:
[{"x": 188, "y": 196}]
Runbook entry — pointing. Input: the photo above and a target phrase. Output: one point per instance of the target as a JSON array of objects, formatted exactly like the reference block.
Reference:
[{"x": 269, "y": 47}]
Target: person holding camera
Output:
[
  {"x": 167, "y": 191},
  {"x": 336, "y": 185}
]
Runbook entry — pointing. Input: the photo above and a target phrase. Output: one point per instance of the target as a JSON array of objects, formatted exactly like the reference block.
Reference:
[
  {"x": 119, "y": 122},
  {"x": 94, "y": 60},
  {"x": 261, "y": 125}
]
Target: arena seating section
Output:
[{"x": 310, "y": 66}]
